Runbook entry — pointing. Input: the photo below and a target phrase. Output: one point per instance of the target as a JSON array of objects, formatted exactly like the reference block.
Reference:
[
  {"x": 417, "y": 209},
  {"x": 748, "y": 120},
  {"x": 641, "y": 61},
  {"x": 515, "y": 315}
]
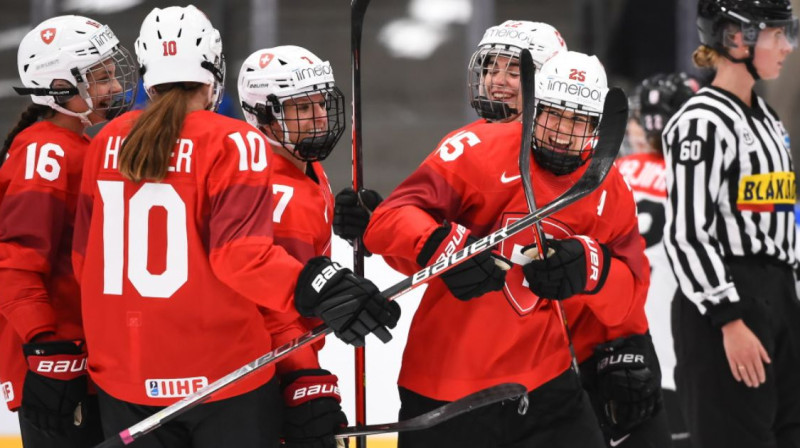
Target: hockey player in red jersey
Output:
[
  {"x": 637, "y": 401},
  {"x": 659, "y": 97},
  {"x": 478, "y": 324},
  {"x": 618, "y": 363},
  {"x": 302, "y": 119},
  {"x": 174, "y": 249},
  {"x": 77, "y": 75}
]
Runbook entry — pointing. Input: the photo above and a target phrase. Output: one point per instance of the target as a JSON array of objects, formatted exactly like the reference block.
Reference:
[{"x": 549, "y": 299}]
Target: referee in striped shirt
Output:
[{"x": 730, "y": 236}]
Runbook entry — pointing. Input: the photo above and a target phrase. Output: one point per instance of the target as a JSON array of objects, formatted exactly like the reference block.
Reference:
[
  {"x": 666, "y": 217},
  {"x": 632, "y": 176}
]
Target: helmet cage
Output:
[
  {"x": 483, "y": 63},
  {"x": 125, "y": 74},
  {"x": 555, "y": 134},
  {"x": 319, "y": 145}
]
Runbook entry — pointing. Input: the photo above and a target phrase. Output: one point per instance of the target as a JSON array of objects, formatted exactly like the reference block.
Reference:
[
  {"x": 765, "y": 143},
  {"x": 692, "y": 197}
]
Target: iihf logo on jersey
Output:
[
  {"x": 154, "y": 388},
  {"x": 174, "y": 387}
]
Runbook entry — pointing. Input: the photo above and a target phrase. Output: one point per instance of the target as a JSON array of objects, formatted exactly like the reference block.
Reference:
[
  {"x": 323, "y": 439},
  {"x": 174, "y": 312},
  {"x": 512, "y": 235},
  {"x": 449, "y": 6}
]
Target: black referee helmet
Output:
[{"x": 750, "y": 15}]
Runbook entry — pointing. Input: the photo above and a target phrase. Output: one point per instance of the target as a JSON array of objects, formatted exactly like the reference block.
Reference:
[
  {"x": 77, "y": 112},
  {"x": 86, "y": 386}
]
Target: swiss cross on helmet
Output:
[
  {"x": 72, "y": 55},
  {"x": 660, "y": 96},
  {"x": 719, "y": 20},
  {"x": 493, "y": 72},
  {"x": 179, "y": 44},
  {"x": 570, "y": 92},
  {"x": 291, "y": 93}
]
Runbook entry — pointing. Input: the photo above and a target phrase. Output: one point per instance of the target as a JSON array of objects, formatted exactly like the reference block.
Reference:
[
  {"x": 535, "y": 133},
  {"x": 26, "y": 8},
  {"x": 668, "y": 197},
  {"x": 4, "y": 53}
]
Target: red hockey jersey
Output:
[
  {"x": 302, "y": 215},
  {"x": 454, "y": 347},
  {"x": 39, "y": 185},
  {"x": 173, "y": 273}
]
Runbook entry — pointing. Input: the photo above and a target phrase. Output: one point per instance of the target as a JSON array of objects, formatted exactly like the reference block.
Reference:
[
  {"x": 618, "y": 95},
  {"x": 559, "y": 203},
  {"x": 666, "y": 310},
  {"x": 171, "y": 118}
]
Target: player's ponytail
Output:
[
  {"x": 146, "y": 151},
  {"x": 29, "y": 116}
]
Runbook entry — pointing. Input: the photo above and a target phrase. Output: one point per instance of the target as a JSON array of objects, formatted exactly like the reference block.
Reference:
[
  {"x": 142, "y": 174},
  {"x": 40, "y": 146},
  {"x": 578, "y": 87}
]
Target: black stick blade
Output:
[{"x": 485, "y": 397}]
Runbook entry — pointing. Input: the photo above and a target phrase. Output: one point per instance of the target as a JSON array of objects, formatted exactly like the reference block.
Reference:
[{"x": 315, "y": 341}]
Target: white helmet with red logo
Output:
[
  {"x": 179, "y": 44},
  {"x": 508, "y": 40},
  {"x": 270, "y": 77},
  {"x": 511, "y": 36},
  {"x": 571, "y": 88},
  {"x": 68, "y": 48},
  {"x": 573, "y": 80}
]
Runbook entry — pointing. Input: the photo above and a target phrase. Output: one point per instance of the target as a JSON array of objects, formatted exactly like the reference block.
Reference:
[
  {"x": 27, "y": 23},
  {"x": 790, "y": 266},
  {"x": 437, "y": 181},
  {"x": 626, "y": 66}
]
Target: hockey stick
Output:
[
  {"x": 528, "y": 78},
  {"x": 610, "y": 133},
  {"x": 485, "y": 397},
  {"x": 358, "y": 9}
]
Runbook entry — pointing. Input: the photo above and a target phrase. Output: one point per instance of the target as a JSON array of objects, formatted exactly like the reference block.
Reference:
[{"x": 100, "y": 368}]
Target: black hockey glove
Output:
[
  {"x": 352, "y": 306},
  {"x": 575, "y": 265},
  {"x": 475, "y": 277},
  {"x": 56, "y": 387},
  {"x": 352, "y": 211},
  {"x": 312, "y": 410},
  {"x": 628, "y": 382}
]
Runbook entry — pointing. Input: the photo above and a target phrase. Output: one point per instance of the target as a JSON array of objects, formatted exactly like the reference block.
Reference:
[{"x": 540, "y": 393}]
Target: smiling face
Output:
[
  {"x": 103, "y": 86},
  {"x": 564, "y": 140},
  {"x": 501, "y": 81},
  {"x": 305, "y": 116},
  {"x": 563, "y": 131}
]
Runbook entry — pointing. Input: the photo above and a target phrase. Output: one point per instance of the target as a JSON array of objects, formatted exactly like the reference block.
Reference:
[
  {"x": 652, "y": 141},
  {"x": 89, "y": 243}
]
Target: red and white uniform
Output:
[
  {"x": 456, "y": 348},
  {"x": 173, "y": 273},
  {"x": 39, "y": 186},
  {"x": 646, "y": 174},
  {"x": 301, "y": 219}
]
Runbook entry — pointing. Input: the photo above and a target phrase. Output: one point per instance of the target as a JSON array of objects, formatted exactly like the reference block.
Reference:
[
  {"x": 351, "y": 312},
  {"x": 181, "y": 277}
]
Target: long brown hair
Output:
[
  {"x": 146, "y": 151},
  {"x": 29, "y": 116}
]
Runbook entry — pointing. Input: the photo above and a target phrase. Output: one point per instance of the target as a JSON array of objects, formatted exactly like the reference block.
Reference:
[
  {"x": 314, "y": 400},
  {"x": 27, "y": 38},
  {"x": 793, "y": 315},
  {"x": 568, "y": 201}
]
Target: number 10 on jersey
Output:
[{"x": 115, "y": 222}]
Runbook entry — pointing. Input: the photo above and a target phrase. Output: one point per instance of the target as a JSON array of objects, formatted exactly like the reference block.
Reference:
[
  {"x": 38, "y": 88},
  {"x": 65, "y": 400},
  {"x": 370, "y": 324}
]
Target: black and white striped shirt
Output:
[{"x": 731, "y": 191}]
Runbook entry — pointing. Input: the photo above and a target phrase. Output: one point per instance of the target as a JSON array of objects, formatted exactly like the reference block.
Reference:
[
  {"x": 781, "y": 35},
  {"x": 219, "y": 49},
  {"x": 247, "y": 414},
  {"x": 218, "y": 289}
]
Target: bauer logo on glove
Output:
[
  {"x": 325, "y": 275},
  {"x": 621, "y": 358},
  {"x": 628, "y": 382}
]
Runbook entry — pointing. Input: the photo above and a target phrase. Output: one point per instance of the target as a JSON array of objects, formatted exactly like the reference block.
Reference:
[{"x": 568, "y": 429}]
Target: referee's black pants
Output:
[{"x": 720, "y": 412}]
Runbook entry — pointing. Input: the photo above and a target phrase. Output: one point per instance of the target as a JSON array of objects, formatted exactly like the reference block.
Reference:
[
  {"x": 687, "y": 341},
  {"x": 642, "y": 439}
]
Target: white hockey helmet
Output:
[
  {"x": 508, "y": 39},
  {"x": 69, "y": 48},
  {"x": 541, "y": 39},
  {"x": 572, "y": 88},
  {"x": 179, "y": 44},
  {"x": 270, "y": 77},
  {"x": 573, "y": 80}
]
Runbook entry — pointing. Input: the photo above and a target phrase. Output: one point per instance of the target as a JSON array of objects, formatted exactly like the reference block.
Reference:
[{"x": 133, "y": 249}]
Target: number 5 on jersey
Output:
[{"x": 453, "y": 147}]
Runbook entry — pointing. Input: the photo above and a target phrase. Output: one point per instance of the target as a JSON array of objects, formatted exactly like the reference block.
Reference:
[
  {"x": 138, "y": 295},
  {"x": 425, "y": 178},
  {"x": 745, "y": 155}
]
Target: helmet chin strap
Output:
[
  {"x": 84, "y": 116},
  {"x": 747, "y": 61},
  {"x": 83, "y": 92},
  {"x": 274, "y": 142}
]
